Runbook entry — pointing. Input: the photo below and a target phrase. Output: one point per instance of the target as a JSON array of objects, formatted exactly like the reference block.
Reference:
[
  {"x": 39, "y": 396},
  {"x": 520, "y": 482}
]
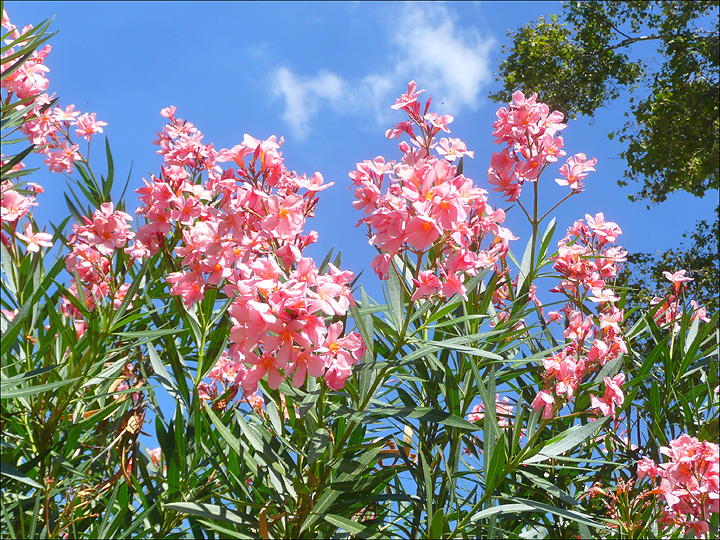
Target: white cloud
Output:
[
  {"x": 303, "y": 96},
  {"x": 428, "y": 45},
  {"x": 258, "y": 51},
  {"x": 432, "y": 49}
]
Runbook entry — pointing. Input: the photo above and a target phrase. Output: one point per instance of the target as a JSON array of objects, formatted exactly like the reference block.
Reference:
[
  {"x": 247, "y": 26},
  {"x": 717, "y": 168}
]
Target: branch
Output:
[
  {"x": 630, "y": 41},
  {"x": 620, "y": 32}
]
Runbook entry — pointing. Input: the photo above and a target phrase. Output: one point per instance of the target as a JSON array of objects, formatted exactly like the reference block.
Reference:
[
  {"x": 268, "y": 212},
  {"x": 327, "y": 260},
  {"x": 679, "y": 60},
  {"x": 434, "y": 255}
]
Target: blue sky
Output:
[{"x": 323, "y": 75}]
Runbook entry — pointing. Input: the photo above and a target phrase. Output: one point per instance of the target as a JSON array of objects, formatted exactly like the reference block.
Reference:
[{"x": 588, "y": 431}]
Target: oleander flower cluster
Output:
[
  {"x": 242, "y": 231},
  {"x": 14, "y": 207},
  {"x": 688, "y": 482},
  {"x": 529, "y": 132},
  {"x": 48, "y": 128},
  {"x": 424, "y": 205},
  {"x": 671, "y": 306},
  {"x": 90, "y": 261},
  {"x": 587, "y": 261}
]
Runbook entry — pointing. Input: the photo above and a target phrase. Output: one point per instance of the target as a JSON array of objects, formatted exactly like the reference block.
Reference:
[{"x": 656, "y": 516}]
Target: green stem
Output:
[
  {"x": 565, "y": 198},
  {"x": 535, "y": 224}
]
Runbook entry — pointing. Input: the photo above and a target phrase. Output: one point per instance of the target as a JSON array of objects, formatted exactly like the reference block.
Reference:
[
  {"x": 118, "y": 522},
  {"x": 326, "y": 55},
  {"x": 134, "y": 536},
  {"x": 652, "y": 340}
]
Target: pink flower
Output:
[
  {"x": 108, "y": 231},
  {"x": 87, "y": 126},
  {"x": 190, "y": 286},
  {"x": 477, "y": 414},
  {"x": 155, "y": 456},
  {"x": 453, "y": 285},
  {"x": 578, "y": 328},
  {"x": 284, "y": 215},
  {"x": 603, "y": 295},
  {"x": 9, "y": 315},
  {"x": 14, "y": 206},
  {"x": 120, "y": 296},
  {"x": 700, "y": 312},
  {"x": 646, "y": 467},
  {"x": 439, "y": 122},
  {"x": 613, "y": 395},
  {"x": 452, "y": 149},
  {"x": 427, "y": 284},
  {"x": 314, "y": 183},
  {"x": 408, "y": 98},
  {"x": 62, "y": 159},
  {"x": 68, "y": 115},
  {"x": 305, "y": 363},
  {"x": 503, "y": 409},
  {"x": 35, "y": 240},
  {"x": 689, "y": 483},
  {"x": 544, "y": 401},
  {"x": 263, "y": 365},
  {"x": 168, "y": 112},
  {"x": 422, "y": 232},
  {"x": 574, "y": 170},
  {"x": 381, "y": 265},
  {"x": 677, "y": 279},
  {"x": 554, "y": 316}
]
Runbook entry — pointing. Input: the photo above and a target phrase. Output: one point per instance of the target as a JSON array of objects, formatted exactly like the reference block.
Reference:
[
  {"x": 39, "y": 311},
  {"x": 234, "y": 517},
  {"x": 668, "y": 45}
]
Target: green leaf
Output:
[
  {"x": 224, "y": 432},
  {"x": 317, "y": 445},
  {"x": 395, "y": 296},
  {"x": 567, "y": 440},
  {"x": 330, "y": 495},
  {"x": 495, "y": 473},
  {"x": 426, "y": 414},
  {"x": 6, "y": 384},
  {"x": 608, "y": 370},
  {"x": 451, "y": 391},
  {"x": 165, "y": 379},
  {"x": 324, "y": 264},
  {"x": 16, "y": 159},
  {"x": 8, "y": 269},
  {"x": 271, "y": 411},
  {"x": 152, "y": 334},
  {"x": 568, "y": 514},
  {"x": 12, "y": 472},
  {"x": 129, "y": 295},
  {"x": 14, "y": 328},
  {"x": 438, "y": 524},
  {"x": 77, "y": 214},
  {"x": 108, "y": 183},
  {"x": 545, "y": 485},
  {"x": 34, "y": 390},
  {"x": 503, "y": 509},
  {"x": 224, "y": 532},
  {"x": 352, "y": 527},
  {"x": 210, "y": 511},
  {"x": 692, "y": 334},
  {"x": 547, "y": 236},
  {"x": 427, "y": 487},
  {"x": 525, "y": 265},
  {"x": 308, "y": 402},
  {"x": 249, "y": 432},
  {"x": 457, "y": 343}
]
